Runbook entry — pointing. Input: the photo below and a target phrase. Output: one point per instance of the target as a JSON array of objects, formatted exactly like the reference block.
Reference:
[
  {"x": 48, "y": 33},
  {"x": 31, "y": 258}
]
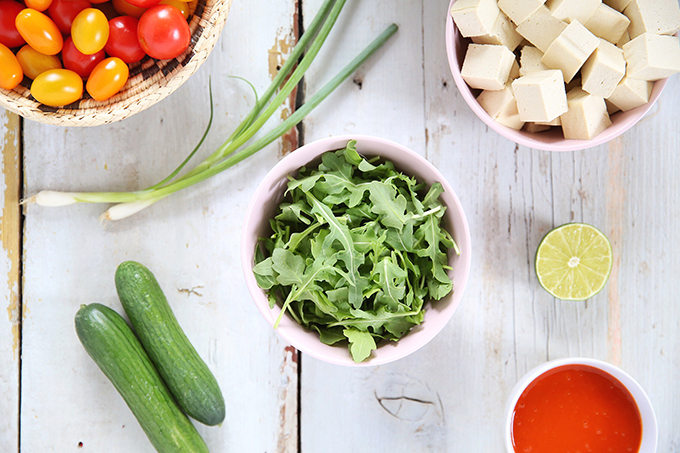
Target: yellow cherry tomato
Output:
[
  {"x": 39, "y": 31},
  {"x": 57, "y": 87},
  {"x": 34, "y": 63},
  {"x": 183, "y": 7},
  {"x": 107, "y": 78},
  {"x": 11, "y": 74},
  {"x": 127, "y": 9},
  {"x": 38, "y": 5},
  {"x": 90, "y": 31}
]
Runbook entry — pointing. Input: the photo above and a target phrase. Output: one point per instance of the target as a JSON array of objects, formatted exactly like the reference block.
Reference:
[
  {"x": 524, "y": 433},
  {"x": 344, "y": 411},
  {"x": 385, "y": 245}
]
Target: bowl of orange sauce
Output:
[{"x": 579, "y": 405}]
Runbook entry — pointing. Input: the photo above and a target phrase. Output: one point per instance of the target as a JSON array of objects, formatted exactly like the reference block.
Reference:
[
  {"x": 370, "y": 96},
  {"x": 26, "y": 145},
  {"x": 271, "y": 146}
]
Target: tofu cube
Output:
[
  {"x": 474, "y": 17},
  {"x": 631, "y": 93},
  {"x": 618, "y": 5},
  {"x": 541, "y": 96},
  {"x": 603, "y": 70},
  {"x": 541, "y": 28},
  {"x": 487, "y": 67},
  {"x": 519, "y": 10},
  {"x": 655, "y": 16},
  {"x": 530, "y": 61},
  {"x": 571, "y": 10},
  {"x": 624, "y": 39},
  {"x": 587, "y": 116},
  {"x": 611, "y": 108},
  {"x": 514, "y": 72},
  {"x": 534, "y": 128},
  {"x": 571, "y": 49},
  {"x": 607, "y": 23},
  {"x": 502, "y": 33},
  {"x": 502, "y": 107},
  {"x": 652, "y": 57},
  {"x": 556, "y": 122}
]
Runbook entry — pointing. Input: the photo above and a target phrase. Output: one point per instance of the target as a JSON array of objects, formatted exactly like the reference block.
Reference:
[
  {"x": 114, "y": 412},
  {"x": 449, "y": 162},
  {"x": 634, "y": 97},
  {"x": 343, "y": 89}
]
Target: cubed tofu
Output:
[
  {"x": 519, "y": 10},
  {"x": 541, "y": 96},
  {"x": 570, "y": 10},
  {"x": 631, "y": 93},
  {"x": 541, "y": 28},
  {"x": 611, "y": 108},
  {"x": 530, "y": 60},
  {"x": 535, "y": 128},
  {"x": 556, "y": 122},
  {"x": 571, "y": 49},
  {"x": 487, "y": 67},
  {"x": 618, "y": 5},
  {"x": 654, "y": 16},
  {"x": 652, "y": 57},
  {"x": 624, "y": 39},
  {"x": 514, "y": 72},
  {"x": 603, "y": 70},
  {"x": 607, "y": 23},
  {"x": 587, "y": 116},
  {"x": 502, "y": 33},
  {"x": 502, "y": 107},
  {"x": 474, "y": 17}
]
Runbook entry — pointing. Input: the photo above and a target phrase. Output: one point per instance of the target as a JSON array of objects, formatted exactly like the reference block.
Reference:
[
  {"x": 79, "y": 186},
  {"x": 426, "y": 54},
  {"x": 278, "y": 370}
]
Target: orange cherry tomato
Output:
[
  {"x": 183, "y": 7},
  {"x": 127, "y": 9},
  {"x": 57, "y": 87},
  {"x": 38, "y": 5},
  {"x": 107, "y": 78},
  {"x": 11, "y": 74},
  {"x": 90, "y": 31},
  {"x": 39, "y": 31},
  {"x": 34, "y": 63}
]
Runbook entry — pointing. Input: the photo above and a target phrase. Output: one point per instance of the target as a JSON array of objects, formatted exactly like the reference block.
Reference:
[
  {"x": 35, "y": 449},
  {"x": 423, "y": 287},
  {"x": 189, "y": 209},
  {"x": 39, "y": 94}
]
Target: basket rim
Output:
[{"x": 150, "y": 80}]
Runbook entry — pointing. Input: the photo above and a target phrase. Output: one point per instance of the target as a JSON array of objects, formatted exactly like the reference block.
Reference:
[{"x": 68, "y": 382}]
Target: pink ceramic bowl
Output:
[
  {"x": 268, "y": 196},
  {"x": 551, "y": 140}
]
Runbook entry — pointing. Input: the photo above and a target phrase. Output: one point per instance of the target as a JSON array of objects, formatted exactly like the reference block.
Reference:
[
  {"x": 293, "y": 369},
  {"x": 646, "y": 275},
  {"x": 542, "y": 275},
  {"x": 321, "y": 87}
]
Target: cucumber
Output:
[
  {"x": 114, "y": 348},
  {"x": 188, "y": 377}
]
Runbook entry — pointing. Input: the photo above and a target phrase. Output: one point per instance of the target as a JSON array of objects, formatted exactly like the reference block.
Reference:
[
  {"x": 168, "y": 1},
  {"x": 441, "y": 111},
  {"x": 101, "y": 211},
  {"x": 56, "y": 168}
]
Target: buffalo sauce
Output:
[{"x": 576, "y": 409}]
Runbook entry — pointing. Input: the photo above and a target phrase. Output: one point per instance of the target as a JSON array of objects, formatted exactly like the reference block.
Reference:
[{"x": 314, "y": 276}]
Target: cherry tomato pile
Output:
[{"x": 65, "y": 46}]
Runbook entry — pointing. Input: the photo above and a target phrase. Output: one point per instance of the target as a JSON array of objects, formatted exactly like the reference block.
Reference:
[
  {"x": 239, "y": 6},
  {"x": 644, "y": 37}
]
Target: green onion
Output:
[{"x": 236, "y": 147}]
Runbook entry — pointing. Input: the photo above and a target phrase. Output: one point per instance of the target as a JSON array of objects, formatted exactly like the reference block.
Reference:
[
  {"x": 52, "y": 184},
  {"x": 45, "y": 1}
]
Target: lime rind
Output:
[{"x": 573, "y": 261}]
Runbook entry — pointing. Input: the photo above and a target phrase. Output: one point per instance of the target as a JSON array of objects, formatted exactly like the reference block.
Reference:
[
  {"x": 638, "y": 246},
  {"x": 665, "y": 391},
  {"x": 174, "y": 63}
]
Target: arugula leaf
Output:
[
  {"x": 361, "y": 344},
  {"x": 388, "y": 204}
]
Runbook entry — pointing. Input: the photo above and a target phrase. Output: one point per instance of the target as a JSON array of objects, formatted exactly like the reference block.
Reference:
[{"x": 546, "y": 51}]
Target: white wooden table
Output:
[{"x": 447, "y": 397}]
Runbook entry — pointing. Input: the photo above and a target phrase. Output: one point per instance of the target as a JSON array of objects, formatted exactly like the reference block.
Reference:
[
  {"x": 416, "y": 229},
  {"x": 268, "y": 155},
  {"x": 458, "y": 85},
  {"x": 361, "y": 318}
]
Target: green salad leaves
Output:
[{"x": 357, "y": 249}]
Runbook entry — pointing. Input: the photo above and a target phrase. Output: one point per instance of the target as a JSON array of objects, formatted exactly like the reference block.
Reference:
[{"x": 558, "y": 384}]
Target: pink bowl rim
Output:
[
  {"x": 650, "y": 431},
  {"x": 521, "y": 138},
  {"x": 401, "y": 349}
]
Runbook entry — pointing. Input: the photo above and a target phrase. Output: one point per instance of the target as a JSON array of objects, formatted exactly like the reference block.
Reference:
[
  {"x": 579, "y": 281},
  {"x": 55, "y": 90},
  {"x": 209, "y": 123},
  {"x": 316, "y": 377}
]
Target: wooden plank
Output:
[
  {"x": 189, "y": 240},
  {"x": 10, "y": 265}
]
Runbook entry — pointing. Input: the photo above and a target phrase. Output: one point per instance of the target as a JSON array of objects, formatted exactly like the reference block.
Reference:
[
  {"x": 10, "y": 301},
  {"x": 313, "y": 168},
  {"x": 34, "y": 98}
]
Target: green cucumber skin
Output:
[
  {"x": 112, "y": 345},
  {"x": 188, "y": 377}
]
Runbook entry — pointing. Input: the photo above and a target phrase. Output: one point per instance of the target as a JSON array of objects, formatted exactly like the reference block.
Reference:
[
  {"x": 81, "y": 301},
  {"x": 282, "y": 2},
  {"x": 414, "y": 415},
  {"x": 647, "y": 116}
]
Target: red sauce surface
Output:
[{"x": 576, "y": 409}]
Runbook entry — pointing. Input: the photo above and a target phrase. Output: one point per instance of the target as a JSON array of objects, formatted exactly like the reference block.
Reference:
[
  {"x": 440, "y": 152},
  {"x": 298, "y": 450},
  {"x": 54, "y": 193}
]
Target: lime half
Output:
[{"x": 573, "y": 261}]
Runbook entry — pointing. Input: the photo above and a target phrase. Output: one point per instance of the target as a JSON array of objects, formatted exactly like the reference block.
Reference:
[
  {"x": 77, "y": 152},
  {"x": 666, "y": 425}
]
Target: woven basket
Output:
[{"x": 150, "y": 80}]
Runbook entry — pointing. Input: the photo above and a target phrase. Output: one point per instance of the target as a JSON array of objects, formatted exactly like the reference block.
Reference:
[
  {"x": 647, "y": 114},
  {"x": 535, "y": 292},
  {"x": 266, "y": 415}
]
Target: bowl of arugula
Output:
[{"x": 356, "y": 250}]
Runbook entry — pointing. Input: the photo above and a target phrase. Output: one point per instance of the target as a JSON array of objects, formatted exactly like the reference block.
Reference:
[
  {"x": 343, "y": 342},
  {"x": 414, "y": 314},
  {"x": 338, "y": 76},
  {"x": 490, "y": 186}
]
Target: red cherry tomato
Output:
[
  {"x": 38, "y": 5},
  {"x": 11, "y": 74},
  {"x": 123, "y": 42},
  {"x": 163, "y": 32},
  {"x": 57, "y": 87},
  {"x": 63, "y": 12},
  {"x": 77, "y": 61},
  {"x": 9, "y": 35},
  {"x": 90, "y": 31},
  {"x": 126, "y": 9},
  {"x": 144, "y": 3},
  {"x": 107, "y": 78},
  {"x": 39, "y": 31},
  {"x": 33, "y": 63}
]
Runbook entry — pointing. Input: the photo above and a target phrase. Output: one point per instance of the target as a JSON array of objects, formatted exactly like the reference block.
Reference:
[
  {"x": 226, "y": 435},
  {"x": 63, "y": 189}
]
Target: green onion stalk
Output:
[{"x": 237, "y": 147}]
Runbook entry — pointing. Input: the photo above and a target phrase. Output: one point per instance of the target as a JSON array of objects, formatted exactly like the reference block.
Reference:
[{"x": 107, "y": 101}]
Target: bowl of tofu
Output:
[{"x": 562, "y": 75}]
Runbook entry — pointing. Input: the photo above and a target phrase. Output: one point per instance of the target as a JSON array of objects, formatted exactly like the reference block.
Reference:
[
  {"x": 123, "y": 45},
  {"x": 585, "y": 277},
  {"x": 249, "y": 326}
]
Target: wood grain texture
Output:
[
  {"x": 10, "y": 264},
  {"x": 189, "y": 240}
]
